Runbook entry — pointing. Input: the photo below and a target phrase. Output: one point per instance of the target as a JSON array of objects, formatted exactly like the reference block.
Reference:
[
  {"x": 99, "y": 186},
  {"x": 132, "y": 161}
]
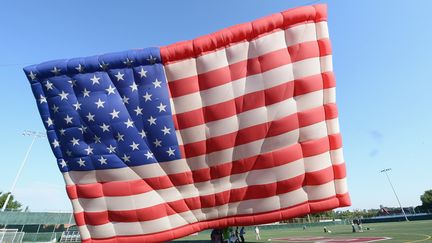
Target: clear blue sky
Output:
[{"x": 382, "y": 60}]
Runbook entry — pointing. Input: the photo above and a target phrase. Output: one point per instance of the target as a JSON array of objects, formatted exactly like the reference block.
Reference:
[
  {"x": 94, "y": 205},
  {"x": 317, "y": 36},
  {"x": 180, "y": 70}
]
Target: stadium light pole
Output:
[
  {"x": 394, "y": 191},
  {"x": 35, "y": 135}
]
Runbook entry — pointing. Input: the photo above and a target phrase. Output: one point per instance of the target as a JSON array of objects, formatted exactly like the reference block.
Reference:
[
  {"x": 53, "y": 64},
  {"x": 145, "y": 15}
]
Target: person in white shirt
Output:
[{"x": 257, "y": 232}]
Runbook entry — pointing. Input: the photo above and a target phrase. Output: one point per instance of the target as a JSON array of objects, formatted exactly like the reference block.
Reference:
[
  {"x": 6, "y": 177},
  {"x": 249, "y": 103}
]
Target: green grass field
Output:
[{"x": 414, "y": 231}]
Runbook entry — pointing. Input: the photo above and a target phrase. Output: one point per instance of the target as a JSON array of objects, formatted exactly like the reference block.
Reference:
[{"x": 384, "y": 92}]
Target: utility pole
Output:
[
  {"x": 394, "y": 191},
  {"x": 35, "y": 135}
]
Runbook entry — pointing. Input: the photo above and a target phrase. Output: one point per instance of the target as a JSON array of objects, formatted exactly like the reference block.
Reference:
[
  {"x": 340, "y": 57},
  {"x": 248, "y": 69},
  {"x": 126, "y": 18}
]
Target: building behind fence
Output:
[{"x": 38, "y": 226}]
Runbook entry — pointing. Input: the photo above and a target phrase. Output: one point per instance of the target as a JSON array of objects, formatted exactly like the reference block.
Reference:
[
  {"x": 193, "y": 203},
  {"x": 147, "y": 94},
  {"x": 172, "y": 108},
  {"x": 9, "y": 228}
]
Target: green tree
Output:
[
  {"x": 12, "y": 205},
  {"x": 426, "y": 199}
]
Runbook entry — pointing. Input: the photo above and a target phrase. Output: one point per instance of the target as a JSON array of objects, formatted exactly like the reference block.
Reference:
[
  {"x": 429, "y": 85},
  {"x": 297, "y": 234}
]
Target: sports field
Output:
[{"x": 414, "y": 231}]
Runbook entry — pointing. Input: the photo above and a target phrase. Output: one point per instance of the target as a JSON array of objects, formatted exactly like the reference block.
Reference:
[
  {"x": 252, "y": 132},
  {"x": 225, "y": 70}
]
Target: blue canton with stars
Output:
[{"x": 107, "y": 111}]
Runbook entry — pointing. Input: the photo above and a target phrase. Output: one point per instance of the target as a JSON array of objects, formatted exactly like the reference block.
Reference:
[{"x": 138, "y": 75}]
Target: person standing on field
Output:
[
  {"x": 257, "y": 233},
  {"x": 242, "y": 232}
]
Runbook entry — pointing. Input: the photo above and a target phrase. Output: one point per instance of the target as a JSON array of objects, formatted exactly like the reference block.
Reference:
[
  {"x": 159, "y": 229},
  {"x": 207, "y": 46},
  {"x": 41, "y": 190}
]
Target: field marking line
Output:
[{"x": 425, "y": 239}]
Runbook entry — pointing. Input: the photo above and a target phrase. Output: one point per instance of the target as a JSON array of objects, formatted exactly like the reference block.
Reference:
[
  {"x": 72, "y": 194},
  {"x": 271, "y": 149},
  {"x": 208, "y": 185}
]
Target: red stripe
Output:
[
  {"x": 252, "y": 101},
  {"x": 108, "y": 189},
  {"x": 246, "y": 68},
  {"x": 242, "y": 32},
  {"x": 266, "y": 160},
  {"x": 300, "y": 209},
  {"x": 207, "y": 201}
]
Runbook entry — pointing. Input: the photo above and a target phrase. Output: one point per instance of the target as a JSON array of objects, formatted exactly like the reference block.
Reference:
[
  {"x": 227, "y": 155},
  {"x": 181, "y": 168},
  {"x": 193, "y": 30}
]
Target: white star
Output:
[
  {"x": 110, "y": 90},
  {"x": 32, "y": 75},
  {"x": 62, "y": 131},
  {"x": 102, "y": 160},
  {"x": 170, "y": 151},
  {"x": 147, "y": 97},
  {"x": 100, "y": 103},
  {"x": 97, "y": 139},
  {"x": 133, "y": 86},
  {"x": 90, "y": 117},
  {"x": 119, "y": 137},
  {"x": 63, "y": 95},
  {"x": 63, "y": 163},
  {"x": 81, "y": 162},
  {"x": 157, "y": 83},
  {"x": 69, "y": 153},
  {"x": 55, "y": 143},
  {"x": 86, "y": 92},
  {"x": 142, "y": 133},
  {"x": 42, "y": 99},
  {"x": 55, "y": 108},
  {"x": 152, "y": 120},
  {"x": 119, "y": 76},
  {"x": 149, "y": 154},
  {"x": 104, "y": 65},
  {"x": 125, "y": 100},
  {"x": 83, "y": 129},
  {"x": 56, "y": 71},
  {"x": 125, "y": 158},
  {"x": 89, "y": 150},
  {"x": 128, "y": 62},
  {"x": 74, "y": 141},
  {"x": 134, "y": 146},
  {"x": 143, "y": 73},
  {"x": 95, "y": 79},
  {"x": 138, "y": 111},
  {"x": 161, "y": 107},
  {"x": 49, "y": 85},
  {"x": 105, "y": 128},
  {"x": 72, "y": 82},
  {"x": 77, "y": 106},
  {"x": 111, "y": 149},
  {"x": 157, "y": 143},
  {"x": 166, "y": 130},
  {"x": 49, "y": 122},
  {"x": 114, "y": 114},
  {"x": 80, "y": 68},
  {"x": 68, "y": 119},
  {"x": 129, "y": 123},
  {"x": 151, "y": 59}
]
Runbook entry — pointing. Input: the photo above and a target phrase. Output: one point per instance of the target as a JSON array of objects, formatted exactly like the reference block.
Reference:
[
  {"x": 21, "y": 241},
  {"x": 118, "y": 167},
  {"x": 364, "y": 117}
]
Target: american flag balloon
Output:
[{"x": 239, "y": 127}]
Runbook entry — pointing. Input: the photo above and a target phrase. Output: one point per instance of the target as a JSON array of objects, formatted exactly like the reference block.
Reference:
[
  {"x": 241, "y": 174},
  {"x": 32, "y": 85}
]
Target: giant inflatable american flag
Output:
[{"x": 239, "y": 127}]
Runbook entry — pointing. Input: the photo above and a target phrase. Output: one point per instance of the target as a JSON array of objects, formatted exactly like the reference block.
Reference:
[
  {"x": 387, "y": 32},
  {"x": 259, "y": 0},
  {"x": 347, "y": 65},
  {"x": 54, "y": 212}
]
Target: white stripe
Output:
[
  {"x": 329, "y": 96},
  {"x": 322, "y": 30},
  {"x": 253, "y": 206},
  {"x": 317, "y": 130},
  {"x": 247, "y": 85},
  {"x": 321, "y": 191},
  {"x": 84, "y": 232},
  {"x": 333, "y": 126},
  {"x": 326, "y": 63},
  {"x": 245, "y": 50},
  {"x": 317, "y": 162},
  {"x": 337, "y": 156},
  {"x": 213, "y": 61},
  {"x": 341, "y": 186}
]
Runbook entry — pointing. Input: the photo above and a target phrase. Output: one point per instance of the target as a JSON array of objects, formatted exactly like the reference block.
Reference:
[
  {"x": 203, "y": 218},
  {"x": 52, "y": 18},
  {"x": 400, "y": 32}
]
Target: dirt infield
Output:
[{"x": 330, "y": 239}]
